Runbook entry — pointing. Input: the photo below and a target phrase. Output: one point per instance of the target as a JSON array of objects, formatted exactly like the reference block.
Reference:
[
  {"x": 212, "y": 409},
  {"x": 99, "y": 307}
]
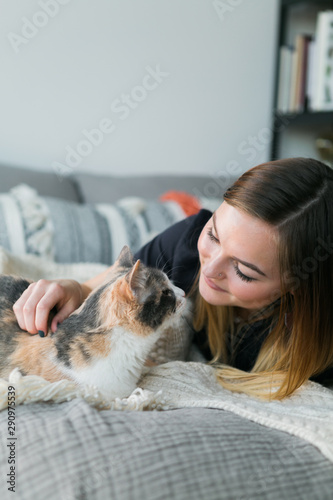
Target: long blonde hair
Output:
[{"x": 296, "y": 197}]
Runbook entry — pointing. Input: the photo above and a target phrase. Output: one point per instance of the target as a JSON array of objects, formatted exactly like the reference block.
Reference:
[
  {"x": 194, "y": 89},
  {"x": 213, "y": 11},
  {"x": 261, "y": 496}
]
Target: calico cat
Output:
[{"x": 103, "y": 343}]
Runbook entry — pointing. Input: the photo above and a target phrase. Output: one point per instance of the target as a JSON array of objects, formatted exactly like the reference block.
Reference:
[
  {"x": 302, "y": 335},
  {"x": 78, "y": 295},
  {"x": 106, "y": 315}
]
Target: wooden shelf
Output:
[{"x": 307, "y": 117}]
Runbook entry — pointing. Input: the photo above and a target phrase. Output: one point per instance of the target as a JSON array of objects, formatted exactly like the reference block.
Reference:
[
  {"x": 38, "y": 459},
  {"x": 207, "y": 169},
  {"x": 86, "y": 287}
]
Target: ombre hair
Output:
[{"x": 295, "y": 196}]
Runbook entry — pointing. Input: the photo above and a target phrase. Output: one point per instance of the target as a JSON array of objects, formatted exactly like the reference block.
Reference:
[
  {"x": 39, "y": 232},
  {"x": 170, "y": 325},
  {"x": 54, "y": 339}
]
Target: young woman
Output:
[{"x": 260, "y": 270}]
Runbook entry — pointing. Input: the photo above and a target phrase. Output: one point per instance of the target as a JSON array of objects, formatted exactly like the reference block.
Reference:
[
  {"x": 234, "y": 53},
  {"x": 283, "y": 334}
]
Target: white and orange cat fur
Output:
[{"x": 105, "y": 342}]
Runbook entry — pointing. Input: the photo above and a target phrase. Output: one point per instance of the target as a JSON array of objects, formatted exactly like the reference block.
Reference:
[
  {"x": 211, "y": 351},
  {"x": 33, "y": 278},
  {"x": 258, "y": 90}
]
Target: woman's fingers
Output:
[
  {"x": 18, "y": 307},
  {"x": 33, "y": 307},
  {"x": 54, "y": 294},
  {"x": 62, "y": 314}
]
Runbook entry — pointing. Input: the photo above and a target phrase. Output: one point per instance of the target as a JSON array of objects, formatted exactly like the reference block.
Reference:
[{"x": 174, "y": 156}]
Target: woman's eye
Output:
[
  {"x": 211, "y": 236},
  {"x": 243, "y": 276}
]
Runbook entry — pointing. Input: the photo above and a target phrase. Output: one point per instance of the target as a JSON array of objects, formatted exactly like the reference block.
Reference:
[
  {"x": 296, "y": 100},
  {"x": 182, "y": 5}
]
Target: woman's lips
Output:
[{"x": 213, "y": 286}]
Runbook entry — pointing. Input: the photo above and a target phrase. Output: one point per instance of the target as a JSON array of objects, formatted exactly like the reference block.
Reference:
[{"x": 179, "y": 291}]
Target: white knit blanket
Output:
[{"x": 308, "y": 413}]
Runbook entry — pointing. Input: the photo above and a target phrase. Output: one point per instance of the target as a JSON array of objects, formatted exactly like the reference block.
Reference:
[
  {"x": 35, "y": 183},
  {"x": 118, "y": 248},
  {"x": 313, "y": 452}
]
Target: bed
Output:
[{"x": 179, "y": 435}]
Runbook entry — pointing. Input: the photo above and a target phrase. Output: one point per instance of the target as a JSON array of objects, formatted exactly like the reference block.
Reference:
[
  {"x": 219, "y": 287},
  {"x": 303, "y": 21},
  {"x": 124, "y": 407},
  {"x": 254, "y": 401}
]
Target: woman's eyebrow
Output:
[
  {"x": 251, "y": 266},
  {"x": 246, "y": 264}
]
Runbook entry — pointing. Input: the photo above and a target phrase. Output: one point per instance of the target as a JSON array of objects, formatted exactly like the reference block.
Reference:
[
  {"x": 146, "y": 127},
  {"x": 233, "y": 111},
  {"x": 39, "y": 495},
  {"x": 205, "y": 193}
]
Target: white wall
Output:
[{"x": 211, "y": 106}]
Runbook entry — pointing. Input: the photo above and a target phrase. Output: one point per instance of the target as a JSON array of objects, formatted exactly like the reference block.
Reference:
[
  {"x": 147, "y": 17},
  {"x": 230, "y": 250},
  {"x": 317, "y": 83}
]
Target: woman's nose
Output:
[{"x": 214, "y": 268}]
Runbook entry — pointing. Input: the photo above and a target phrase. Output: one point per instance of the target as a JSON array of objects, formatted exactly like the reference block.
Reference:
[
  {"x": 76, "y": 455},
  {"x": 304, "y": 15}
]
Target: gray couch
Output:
[
  {"x": 73, "y": 451},
  {"x": 88, "y": 188}
]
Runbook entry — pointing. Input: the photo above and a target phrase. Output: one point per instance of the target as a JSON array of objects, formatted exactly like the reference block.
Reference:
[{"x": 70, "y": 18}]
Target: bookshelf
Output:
[{"x": 302, "y": 131}]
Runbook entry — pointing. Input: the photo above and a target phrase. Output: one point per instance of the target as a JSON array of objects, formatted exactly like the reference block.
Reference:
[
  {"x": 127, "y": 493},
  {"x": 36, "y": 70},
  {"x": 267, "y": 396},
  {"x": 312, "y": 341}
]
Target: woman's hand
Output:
[{"x": 33, "y": 307}]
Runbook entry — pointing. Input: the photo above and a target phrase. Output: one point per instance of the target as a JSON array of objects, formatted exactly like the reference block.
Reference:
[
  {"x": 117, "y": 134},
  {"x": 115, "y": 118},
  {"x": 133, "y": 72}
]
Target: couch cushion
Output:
[
  {"x": 109, "y": 189},
  {"x": 46, "y": 183}
]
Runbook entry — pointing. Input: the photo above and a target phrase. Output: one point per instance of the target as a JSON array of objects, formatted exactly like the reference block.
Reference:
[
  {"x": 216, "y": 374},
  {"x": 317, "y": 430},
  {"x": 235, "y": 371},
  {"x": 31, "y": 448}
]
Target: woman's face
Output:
[{"x": 239, "y": 263}]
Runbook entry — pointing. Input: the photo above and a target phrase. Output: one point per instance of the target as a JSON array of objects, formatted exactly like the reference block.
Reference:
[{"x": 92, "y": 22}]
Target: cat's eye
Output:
[{"x": 166, "y": 291}]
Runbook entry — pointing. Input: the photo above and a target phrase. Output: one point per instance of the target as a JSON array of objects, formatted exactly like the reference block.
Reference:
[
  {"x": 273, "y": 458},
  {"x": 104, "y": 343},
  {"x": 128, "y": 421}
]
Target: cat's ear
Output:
[
  {"x": 136, "y": 281},
  {"x": 125, "y": 258}
]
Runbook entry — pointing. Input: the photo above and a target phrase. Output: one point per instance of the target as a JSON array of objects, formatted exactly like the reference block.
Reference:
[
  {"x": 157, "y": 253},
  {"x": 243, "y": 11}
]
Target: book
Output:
[
  {"x": 311, "y": 75},
  {"x": 293, "y": 81},
  {"x": 299, "y": 70},
  {"x": 303, "y": 71}
]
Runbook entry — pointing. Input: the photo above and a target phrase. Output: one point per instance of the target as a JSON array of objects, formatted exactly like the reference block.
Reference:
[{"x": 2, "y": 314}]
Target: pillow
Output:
[{"x": 69, "y": 232}]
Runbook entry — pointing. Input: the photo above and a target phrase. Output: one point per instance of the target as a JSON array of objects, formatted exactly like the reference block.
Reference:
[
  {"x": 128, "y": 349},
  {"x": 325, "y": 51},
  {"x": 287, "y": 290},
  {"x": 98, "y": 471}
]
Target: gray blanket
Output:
[{"x": 73, "y": 451}]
